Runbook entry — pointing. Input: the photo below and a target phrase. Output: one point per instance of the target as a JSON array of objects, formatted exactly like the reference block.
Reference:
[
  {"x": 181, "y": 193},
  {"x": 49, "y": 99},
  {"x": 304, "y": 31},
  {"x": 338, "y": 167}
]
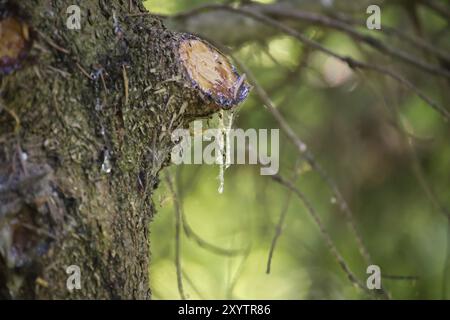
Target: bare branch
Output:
[
  {"x": 286, "y": 13},
  {"x": 279, "y": 227},
  {"x": 404, "y": 36},
  {"x": 177, "y": 238},
  {"x": 191, "y": 234},
  {"x": 351, "y": 62},
  {"x": 375, "y": 43},
  {"x": 439, "y": 8},
  {"x": 329, "y": 242}
]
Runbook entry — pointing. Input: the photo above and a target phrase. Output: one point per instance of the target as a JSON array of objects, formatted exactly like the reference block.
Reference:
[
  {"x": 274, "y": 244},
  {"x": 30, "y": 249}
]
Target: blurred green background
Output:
[{"x": 382, "y": 145}]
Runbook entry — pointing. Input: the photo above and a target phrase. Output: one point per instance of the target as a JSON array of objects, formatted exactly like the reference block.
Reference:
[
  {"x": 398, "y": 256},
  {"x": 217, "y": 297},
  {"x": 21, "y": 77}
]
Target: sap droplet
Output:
[
  {"x": 106, "y": 165},
  {"x": 23, "y": 156},
  {"x": 98, "y": 105}
]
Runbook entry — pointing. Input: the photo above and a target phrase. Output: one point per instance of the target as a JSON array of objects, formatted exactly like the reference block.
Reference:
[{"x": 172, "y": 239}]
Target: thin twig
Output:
[
  {"x": 14, "y": 116},
  {"x": 439, "y": 8},
  {"x": 409, "y": 142},
  {"x": 279, "y": 227},
  {"x": 83, "y": 71},
  {"x": 399, "y": 277},
  {"x": 375, "y": 43},
  {"x": 420, "y": 176},
  {"x": 328, "y": 241},
  {"x": 446, "y": 272},
  {"x": 177, "y": 238},
  {"x": 238, "y": 273},
  {"x": 52, "y": 43},
  {"x": 192, "y": 284},
  {"x": 404, "y": 36},
  {"x": 278, "y": 230},
  {"x": 125, "y": 83},
  {"x": 189, "y": 231}
]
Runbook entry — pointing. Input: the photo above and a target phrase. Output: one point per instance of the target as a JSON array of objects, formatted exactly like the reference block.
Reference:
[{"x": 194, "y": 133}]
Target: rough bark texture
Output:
[{"x": 85, "y": 128}]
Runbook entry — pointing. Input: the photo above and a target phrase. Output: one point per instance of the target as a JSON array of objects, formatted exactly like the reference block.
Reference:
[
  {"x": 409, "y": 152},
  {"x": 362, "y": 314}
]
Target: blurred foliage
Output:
[{"x": 348, "y": 120}]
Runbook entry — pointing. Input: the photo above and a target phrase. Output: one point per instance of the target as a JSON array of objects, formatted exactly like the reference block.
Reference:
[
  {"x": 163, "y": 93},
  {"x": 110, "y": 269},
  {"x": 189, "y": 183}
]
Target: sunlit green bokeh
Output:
[{"x": 346, "y": 119}]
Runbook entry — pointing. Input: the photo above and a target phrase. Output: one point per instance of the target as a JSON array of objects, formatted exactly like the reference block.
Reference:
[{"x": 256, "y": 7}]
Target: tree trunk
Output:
[{"x": 85, "y": 124}]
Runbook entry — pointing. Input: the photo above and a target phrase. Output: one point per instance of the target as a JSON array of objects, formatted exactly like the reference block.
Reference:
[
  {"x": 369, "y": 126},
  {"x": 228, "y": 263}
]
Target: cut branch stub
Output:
[{"x": 211, "y": 73}]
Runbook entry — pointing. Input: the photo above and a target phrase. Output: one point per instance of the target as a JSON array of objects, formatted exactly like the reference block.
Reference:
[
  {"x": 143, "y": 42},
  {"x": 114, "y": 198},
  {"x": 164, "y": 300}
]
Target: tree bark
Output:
[{"x": 85, "y": 124}]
